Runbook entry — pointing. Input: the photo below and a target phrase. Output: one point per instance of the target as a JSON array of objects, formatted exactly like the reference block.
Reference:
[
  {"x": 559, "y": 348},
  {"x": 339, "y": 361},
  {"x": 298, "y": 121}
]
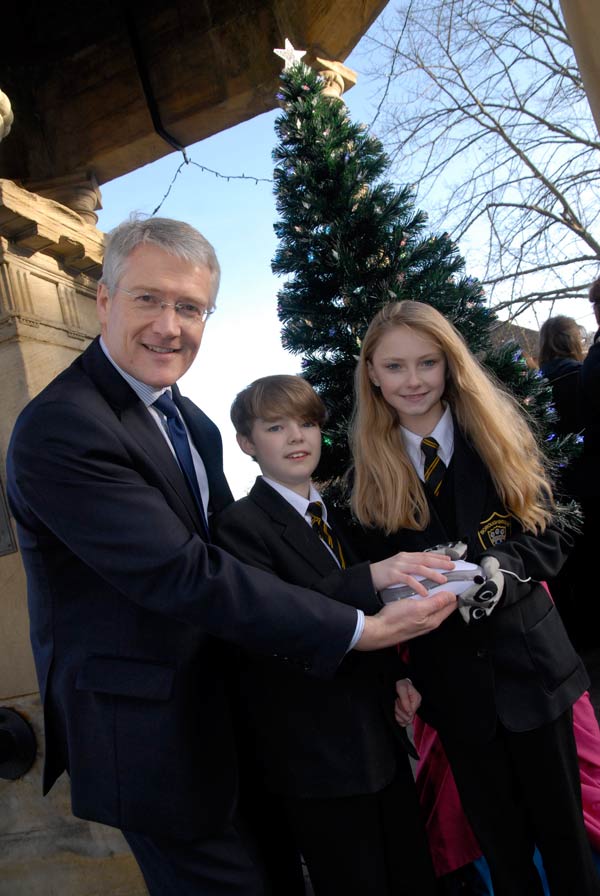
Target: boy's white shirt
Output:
[
  {"x": 300, "y": 504},
  {"x": 443, "y": 433},
  {"x": 297, "y": 501}
]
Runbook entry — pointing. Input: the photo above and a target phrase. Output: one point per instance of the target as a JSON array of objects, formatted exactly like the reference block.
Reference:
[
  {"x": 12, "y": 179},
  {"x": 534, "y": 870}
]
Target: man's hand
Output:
[
  {"x": 402, "y": 567},
  {"x": 407, "y": 702},
  {"x": 405, "y": 619}
]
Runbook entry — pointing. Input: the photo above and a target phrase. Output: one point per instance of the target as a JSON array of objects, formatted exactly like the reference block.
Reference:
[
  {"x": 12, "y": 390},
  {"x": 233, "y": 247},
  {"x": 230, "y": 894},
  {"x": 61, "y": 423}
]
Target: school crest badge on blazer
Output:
[{"x": 496, "y": 529}]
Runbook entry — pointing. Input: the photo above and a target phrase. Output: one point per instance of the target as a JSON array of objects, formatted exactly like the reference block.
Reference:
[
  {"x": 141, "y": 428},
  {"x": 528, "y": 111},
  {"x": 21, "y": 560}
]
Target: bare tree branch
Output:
[{"x": 486, "y": 115}]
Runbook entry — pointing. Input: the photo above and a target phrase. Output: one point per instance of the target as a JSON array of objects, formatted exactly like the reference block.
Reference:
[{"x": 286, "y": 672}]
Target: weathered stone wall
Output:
[{"x": 49, "y": 263}]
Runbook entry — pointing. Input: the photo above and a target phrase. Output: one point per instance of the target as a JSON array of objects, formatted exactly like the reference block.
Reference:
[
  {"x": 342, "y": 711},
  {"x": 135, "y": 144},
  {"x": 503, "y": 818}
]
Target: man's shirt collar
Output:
[
  {"x": 297, "y": 501},
  {"x": 145, "y": 393}
]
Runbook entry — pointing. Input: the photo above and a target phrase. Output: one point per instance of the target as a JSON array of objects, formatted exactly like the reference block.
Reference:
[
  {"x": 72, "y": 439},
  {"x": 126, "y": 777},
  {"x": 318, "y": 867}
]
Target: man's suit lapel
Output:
[
  {"x": 294, "y": 530},
  {"x": 137, "y": 421}
]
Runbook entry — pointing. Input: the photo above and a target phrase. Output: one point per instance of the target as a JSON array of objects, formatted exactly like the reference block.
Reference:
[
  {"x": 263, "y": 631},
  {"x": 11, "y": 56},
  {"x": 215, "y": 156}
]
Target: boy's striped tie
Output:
[{"x": 315, "y": 509}]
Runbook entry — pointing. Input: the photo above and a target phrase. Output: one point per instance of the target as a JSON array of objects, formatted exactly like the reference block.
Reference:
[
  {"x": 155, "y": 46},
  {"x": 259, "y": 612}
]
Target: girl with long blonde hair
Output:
[
  {"x": 443, "y": 456},
  {"x": 389, "y": 495}
]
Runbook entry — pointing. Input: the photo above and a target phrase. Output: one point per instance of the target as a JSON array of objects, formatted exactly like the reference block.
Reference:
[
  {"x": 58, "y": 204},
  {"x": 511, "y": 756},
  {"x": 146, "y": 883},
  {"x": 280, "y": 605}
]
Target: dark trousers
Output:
[
  {"x": 371, "y": 844},
  {"x": 523, "y": 790},
  {"x": 223, "y": 865}
]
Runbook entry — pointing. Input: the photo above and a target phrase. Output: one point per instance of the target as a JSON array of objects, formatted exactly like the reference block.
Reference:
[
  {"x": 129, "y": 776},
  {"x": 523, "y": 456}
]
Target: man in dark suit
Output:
[{"x": 112, "y": 478}]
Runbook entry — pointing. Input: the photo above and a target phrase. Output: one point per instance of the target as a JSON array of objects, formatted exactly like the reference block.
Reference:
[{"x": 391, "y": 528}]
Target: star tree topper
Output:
[{"x": 289, "y": 54}]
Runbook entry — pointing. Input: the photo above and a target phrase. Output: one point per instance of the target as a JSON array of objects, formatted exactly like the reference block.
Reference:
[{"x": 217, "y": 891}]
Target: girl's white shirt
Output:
[{"x": 443, "y": 433}]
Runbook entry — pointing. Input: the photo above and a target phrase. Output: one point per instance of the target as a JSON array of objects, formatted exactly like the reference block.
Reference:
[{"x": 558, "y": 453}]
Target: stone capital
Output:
[
  {"x": 35, "y": 224},
  {"x": 78, "y": 191},
  {"x": 338, "y": 78}
]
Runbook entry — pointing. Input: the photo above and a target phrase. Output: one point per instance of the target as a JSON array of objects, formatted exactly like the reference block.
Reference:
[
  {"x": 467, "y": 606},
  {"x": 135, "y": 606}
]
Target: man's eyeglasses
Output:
[{"x": 151, "y": 306}]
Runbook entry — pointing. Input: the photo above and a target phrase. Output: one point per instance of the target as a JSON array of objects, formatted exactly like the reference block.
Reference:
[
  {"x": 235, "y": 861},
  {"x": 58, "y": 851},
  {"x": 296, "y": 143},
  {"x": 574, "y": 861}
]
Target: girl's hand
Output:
[
  {"x": 407, "y": 702},
  {"x": 401, "y": 569}
]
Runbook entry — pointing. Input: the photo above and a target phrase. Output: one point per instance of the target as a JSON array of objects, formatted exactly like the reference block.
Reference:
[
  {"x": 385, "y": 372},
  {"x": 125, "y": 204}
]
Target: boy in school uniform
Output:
[{"x": 325, "y": 757}]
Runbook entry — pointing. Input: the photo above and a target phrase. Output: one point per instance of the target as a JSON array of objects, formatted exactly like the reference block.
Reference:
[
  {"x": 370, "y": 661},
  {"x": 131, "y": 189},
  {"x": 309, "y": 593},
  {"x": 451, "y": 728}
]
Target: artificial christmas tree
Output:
[{"x": 349, "y": 242}]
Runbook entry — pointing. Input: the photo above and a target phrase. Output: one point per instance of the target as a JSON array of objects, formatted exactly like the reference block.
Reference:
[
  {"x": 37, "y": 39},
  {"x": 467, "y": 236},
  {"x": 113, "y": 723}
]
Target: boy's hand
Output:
[
  {"x": 407, "y": 702},
  {"x": 401, "y": 569},
  {"x": 404, "y": 619}
]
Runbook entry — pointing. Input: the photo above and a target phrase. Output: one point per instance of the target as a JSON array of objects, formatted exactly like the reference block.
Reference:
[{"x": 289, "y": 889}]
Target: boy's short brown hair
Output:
[{"x": 276, "y": 396}]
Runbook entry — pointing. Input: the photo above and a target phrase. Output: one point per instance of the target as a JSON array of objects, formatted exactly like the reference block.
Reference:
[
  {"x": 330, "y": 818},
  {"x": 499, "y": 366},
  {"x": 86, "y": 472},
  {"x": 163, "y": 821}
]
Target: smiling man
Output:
[
  {"x": 113, "y": 477},
  {"x": 153, "y": 315}
]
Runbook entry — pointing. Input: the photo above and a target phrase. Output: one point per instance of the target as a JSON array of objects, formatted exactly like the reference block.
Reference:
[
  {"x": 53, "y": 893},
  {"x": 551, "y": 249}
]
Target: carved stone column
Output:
[
  {"x": 50, "y": 259},
  {"x": 79, "y": 192},
  {"x": 49, "y": 262},
  {"x": 338, "y": 78}
]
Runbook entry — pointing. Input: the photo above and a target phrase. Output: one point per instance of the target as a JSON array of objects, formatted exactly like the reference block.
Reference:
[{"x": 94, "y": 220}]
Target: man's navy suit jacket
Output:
[{"x": 127, "y": 604}]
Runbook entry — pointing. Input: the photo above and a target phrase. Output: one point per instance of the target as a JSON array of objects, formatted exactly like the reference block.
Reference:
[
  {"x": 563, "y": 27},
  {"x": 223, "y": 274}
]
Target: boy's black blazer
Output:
[
  {"x": 126, "y": 599},
  {"x": 517, "y": 665},
  {"x": 312, "y": 738}
]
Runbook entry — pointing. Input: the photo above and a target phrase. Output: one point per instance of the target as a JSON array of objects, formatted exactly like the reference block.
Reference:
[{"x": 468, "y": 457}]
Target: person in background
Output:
[
  {"x": 560, "y": 358},
  {"x": 590, "y": 403},
  {"x": 588, "y": 470},
  {"x": 443, "y": 455}
]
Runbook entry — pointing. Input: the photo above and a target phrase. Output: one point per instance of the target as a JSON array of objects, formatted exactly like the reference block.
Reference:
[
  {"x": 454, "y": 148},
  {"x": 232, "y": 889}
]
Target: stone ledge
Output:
[
  {"x": 42, "y": 225},
  {"x": 20, "y": 326}
]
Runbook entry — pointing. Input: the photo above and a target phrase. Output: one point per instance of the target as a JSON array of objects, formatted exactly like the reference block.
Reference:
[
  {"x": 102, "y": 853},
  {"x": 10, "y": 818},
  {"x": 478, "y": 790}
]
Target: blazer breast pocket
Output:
[
  {"x": 551, "y": 651},
  {"x": 126, "y": 677}
]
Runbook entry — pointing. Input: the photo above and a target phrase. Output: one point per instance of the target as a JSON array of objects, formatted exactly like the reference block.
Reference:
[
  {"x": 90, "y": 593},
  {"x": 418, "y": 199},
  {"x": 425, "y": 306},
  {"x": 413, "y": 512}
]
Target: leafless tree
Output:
[{"x": 483, "y": 109}]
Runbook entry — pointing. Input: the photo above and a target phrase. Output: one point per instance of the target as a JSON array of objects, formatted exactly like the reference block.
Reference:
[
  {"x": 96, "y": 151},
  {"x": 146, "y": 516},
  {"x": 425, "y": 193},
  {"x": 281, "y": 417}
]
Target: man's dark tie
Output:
[
  {"x": 315, "y": 509},
  {"x": 434, "y": 465},
  {"x": 181, "y": 446}
]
